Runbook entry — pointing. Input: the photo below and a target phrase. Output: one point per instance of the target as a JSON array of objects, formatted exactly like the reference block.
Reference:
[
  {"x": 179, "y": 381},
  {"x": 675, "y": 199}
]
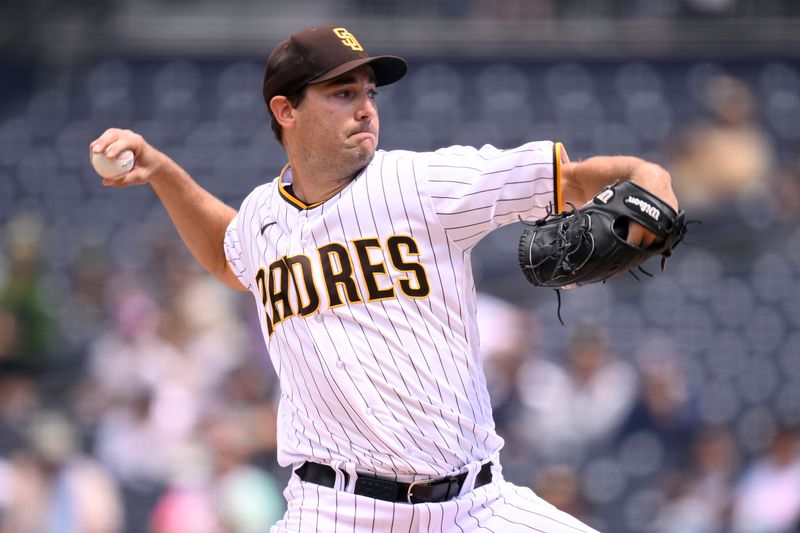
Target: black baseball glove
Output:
[{"x": 588, "y": 245}]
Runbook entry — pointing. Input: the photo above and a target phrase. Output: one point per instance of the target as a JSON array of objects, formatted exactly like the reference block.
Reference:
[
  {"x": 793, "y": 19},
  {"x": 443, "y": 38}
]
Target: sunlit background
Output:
[{"x": 135, "y": 393}]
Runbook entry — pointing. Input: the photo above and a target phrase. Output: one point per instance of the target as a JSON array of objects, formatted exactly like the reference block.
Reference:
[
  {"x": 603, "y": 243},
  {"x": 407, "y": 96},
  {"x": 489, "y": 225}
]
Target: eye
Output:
[{"x": 372, "y": 94}]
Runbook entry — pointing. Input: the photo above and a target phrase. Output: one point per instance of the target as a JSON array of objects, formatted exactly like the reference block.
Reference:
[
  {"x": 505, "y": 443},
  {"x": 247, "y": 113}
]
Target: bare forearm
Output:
[
  {"x": 200, "y": 218},
  {"x": 584, "y": 179}
]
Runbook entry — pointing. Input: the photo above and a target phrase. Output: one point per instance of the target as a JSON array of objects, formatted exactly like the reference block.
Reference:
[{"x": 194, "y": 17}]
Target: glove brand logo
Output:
[
  {"x": 605, "y": 196},
  {"x": 644, "y": 207},
  {"x": 348, "y": 39}
]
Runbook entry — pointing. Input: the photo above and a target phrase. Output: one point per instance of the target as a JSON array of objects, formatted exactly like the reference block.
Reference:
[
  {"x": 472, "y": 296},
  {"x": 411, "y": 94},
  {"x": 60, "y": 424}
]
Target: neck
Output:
[
  {"x": 315, "y": 183},
  {"x": 312, "y": 187}
]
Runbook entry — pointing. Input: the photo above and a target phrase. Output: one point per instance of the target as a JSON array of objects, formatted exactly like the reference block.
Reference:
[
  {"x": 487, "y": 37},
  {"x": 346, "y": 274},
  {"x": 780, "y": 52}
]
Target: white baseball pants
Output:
[{"x": 499, "y": 507}]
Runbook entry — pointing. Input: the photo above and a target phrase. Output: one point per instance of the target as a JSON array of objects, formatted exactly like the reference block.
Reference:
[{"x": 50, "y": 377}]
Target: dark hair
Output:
[{"x": 295, "y": 99}]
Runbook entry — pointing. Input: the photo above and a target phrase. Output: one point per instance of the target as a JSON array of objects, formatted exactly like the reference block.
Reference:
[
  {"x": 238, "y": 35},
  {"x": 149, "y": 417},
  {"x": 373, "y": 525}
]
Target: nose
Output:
[{"x": 366, "y": 109}]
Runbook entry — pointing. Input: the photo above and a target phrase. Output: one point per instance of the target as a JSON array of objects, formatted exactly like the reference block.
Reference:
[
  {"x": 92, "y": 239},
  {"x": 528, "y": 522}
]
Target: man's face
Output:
[{"x": 337, "y": 122}]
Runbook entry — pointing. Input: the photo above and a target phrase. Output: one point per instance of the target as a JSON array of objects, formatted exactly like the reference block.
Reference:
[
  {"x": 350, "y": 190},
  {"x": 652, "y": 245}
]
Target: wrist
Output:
[{"x": 160, "y": 167}]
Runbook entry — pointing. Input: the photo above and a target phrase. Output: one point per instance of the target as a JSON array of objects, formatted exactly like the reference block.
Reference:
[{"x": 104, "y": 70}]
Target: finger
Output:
[
  {"x": 115, "y": 147},
  {"x": 134, "y": 177},
  {"x": 640, "y": 236},
  {"x": 635, "y": 234},
  {"x": 118, "y": 183},
  {"x": 107, "y": 137}
]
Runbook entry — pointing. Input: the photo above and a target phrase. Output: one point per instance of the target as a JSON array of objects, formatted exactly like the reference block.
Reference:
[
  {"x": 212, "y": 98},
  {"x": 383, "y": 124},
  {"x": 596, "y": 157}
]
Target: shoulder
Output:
[
  {"x": 386, "y": 155},
  {"x": 459, "y": 150},
  {"x": 488, "y": 152},
  {"x": 387, "y": 162},
  {"x": 455, "y": 151},
  {"x": 260, "y": 194}
]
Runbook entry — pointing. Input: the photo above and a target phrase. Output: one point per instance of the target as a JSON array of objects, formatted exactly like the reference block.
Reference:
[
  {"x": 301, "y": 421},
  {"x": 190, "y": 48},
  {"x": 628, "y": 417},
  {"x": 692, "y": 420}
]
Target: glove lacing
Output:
[{"x": 565, "y": 243}]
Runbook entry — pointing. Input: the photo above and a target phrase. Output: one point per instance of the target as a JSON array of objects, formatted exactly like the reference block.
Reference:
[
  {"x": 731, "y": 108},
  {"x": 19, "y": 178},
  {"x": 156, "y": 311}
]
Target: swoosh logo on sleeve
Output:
[{"x": 265, "y": 226}]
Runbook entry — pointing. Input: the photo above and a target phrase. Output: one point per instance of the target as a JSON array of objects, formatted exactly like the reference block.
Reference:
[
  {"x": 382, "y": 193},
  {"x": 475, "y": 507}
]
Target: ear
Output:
[{"x": 283, "y": 111}]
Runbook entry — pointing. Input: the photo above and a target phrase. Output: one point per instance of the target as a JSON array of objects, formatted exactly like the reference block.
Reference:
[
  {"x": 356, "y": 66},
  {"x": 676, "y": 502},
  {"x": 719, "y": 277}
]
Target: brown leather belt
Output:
[{"x": 427, "y": 491}]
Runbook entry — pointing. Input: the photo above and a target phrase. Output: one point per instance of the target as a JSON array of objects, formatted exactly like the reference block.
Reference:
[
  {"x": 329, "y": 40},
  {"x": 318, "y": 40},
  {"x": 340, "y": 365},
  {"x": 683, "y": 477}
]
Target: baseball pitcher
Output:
[{"x": 358, "y": 260}]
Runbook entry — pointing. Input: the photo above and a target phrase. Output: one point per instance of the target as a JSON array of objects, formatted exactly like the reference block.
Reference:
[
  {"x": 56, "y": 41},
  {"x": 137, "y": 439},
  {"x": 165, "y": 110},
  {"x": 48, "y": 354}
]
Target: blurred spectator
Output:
[
  {"x": 540, "y": 384},
  {"x": 248, "y": 500},
  {"x": 57, "y": 489},
  {"x": 662, "y": 408},
  {"x": 506, "y": 338},
  {"x": 5, "y": 488},
  {"x": 507, "y": 335},
  {"x": 145, "y": 390},
  {"x": 85, "y": 306},
  {"x": 184, "y": 510},
  {"x": 767, "y": 497},
  {"x": 202, "y": 323},
  {"x": 247, "y": 391},
  {"x": 786, "y": 199},
  {"x": 131, "y": 353},
  {"x": 8, "y": 335},
  {"x": 214, "y": 486},
  {"x": 728, "y": 156},
  {"x": 579, "y": 408},
  {"x": 26, "y": 329},
  {"x": 697, "y": 498},
  {"x": 559, "y": 485},
  {"x": 187, "y": 505},
  {"x": 20, "y": 399},
  {"x": 127, "y": 428}
]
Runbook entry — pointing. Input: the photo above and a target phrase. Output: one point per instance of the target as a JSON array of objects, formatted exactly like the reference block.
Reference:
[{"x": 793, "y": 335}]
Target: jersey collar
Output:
[{"x": 286, "y": 174}]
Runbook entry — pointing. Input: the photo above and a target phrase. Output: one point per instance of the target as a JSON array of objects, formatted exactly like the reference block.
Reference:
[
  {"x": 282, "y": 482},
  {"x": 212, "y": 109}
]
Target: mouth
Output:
[
  {"x": 362, "y": 134},
  {"x": 360, "y": 137}
]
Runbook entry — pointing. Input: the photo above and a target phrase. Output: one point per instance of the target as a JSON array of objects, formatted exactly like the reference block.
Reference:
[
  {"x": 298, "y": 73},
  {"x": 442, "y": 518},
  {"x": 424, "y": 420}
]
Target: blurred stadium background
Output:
[{"x": 134, "y": 393}]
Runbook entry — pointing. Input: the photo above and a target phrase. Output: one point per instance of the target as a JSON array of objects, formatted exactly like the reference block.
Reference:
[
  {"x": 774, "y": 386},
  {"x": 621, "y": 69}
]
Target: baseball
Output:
[{"x": 113, "y": 168}]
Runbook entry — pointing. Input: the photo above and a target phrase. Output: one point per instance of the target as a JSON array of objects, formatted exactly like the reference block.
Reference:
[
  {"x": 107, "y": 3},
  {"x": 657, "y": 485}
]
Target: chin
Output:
[{"x": 364, "y": 156}]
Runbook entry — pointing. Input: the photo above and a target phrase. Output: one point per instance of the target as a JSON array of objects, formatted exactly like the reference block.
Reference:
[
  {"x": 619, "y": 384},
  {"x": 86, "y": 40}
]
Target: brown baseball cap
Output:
[{"x": 321, "y": 53}]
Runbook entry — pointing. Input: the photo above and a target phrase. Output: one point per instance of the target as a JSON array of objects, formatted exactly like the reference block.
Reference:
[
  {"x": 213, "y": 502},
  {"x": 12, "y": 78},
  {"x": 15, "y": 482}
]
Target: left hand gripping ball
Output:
[{"x": 113, "y": 168}]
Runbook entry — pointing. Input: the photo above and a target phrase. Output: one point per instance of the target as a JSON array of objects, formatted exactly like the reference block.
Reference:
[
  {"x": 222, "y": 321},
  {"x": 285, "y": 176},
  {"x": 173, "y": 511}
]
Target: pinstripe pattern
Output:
[
  {"x": 392, "y": 385},
  {"x": 500, "y": 507},
  {"x": 373, "y": 333}
]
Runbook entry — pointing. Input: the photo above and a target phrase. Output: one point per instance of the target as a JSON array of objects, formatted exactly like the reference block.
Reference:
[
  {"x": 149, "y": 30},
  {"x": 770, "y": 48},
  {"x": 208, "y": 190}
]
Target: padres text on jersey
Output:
[{"x": 287, "y": 285}]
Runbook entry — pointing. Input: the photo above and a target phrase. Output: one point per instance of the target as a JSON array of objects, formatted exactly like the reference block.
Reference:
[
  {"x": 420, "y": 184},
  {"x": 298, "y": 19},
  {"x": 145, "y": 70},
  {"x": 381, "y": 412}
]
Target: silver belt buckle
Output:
[{"x": 414, "y": 484}]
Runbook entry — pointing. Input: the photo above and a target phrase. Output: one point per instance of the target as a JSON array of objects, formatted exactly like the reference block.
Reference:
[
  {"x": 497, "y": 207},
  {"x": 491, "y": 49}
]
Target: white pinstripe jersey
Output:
[{"x": 368, "y": 303}]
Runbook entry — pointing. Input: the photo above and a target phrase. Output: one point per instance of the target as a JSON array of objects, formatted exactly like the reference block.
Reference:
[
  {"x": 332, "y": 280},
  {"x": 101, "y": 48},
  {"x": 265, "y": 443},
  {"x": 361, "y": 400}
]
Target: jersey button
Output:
[
  {"x": 369, "y": 411},
  {"x": 303, "y": 243},
  {"x": 339, "y": 364},
  {"x": 319, "y": 318}
]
